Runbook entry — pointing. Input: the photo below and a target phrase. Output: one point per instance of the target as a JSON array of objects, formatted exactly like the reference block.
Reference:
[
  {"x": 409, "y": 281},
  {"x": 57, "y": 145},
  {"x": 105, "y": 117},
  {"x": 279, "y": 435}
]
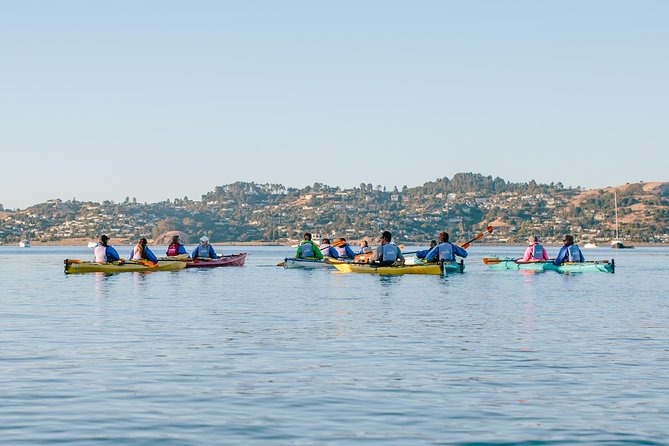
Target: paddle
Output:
[{"x": 487, "y": 231}]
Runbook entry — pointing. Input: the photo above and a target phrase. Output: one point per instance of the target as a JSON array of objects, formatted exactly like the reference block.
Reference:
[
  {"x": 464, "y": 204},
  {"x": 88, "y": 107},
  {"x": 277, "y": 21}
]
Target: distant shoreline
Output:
[{"x": 82, "y": 242}]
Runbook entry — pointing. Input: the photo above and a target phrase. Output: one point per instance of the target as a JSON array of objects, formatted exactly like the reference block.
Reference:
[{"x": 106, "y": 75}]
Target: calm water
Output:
[{"x": 263, "y": 355}]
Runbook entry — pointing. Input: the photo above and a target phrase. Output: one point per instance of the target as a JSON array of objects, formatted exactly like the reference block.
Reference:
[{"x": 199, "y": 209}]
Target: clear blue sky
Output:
[{"x": 161, "y": 99}]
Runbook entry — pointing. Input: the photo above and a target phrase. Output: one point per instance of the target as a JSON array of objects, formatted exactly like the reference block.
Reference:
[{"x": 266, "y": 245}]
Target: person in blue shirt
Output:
[
  {"x": 387, "y": 253},
  {"x": 423, "y": 253},
  {"x": 570, "y": 252},
  {"x": 327, "y": 249},
  {"x": 176, "y": 248},
  {"x": 104, "y": 252},
  {"x": 445, "y": 251},
  {"x": 142, "y": 252},
  {"x": 204, "y": 249},
  {"x": 343, "y": 249}
]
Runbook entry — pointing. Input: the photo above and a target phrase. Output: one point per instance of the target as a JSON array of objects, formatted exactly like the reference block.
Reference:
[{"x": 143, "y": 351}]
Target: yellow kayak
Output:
[
  {"x": 426, "y": 268},
  {"x": 73, "y": 266}
]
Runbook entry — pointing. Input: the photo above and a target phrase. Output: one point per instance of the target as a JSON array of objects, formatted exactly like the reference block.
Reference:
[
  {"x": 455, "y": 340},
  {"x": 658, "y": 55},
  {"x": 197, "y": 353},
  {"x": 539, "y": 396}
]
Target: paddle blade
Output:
[
  {"x": 281, "y": 264},
  {"x": 491, "y": 260}
]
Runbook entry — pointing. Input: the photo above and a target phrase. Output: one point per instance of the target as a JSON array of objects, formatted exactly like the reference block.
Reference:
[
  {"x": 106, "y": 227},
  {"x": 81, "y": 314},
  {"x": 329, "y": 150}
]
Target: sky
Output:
[{"x": 165, "y": 99}]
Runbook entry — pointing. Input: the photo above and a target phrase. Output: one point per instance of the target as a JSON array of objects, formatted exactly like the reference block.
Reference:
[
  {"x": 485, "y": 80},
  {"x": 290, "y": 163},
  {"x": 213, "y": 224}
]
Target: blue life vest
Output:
[
  {"x": 574, "y": 254},
  {"x": 537, "y": 252},
  {"x": 308, "y": 249},
  {"x": 388, "y": 252},
  {"x": 446, "y": 252}
]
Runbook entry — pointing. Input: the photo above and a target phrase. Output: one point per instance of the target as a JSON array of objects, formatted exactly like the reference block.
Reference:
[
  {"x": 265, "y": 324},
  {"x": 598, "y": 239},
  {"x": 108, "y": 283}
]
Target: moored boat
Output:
[
  {"x": 507, "y": 263},
  {"x": 74, "y": 266}
]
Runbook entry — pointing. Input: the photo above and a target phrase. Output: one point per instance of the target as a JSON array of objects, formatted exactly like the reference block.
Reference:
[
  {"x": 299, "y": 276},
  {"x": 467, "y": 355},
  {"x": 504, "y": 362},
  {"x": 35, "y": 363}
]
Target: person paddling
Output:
[
  {"x": 445, "y": 251},
  {"x": 142, "y": 252},
  {"x": 308, "y": 249},
  {"x": 570, "y": 252},
  {"x": 343, "y": 249},
  {"x": 387, "y": 253},
  {"x": 204, "y": 249},
  {"x": 176, "y": 248},
  {"x": 364, "y": 247},
  {"x": 104, "y": 252},
  {"x": 423, "y": 253},
  {"x": 535, "y": 252},
  {"x": 327, "y": 249}
]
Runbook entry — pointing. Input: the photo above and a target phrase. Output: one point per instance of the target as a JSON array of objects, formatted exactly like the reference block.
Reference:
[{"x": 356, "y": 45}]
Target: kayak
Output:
[
  {"x": 421, "y": 268},
  {"x": 230, "y": 260},
  {"x": 73, "y": 266},
  {"x": 292, "y": 263},
  {"x": 449, "y": 267},
  {"x": 504, "y": 263}
]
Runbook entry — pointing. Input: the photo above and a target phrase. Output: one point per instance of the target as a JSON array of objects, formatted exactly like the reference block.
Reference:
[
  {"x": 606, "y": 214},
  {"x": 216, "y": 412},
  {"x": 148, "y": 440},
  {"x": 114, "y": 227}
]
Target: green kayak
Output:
[{"x": 498, "y": 264}]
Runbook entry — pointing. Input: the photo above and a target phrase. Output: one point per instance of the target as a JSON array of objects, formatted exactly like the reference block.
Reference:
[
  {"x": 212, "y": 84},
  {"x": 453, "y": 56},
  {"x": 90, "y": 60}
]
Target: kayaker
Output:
[
  {"x": 142, "y": 252},
  {"x": 105, "y": 253},
  {"x": 423, "y": 253},
  {"x": 387, "y": 253},
  {"x": 570, "y": 252},
  {"x": 176, "y": 248},
  {"x": 535, "y": 252},
  {"x": 327, "y": 249},
  {"x": 204, "y": 249},
  {"x": 343, "y": 249},
  {"x": 445, "y": 251},
  {"x": 308, "y": 249},
  {"x": 364, "y": 247}
]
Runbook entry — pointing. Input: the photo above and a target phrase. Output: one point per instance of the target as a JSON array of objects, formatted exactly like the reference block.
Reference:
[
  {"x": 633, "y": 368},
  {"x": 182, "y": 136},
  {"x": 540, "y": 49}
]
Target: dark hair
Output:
[
  {"x": 175, "y": 238},
  {"x": 326, "y": 240},
  {"x": 569, "y": 239},
  {"x": 103, "y": 240},
  {"x": 307, "y": 235},
  {"x": 142, "y": 247},
  {"x": 387, "y": 236},
  {"x": 364, "y": 243},
  {"x": 443, "y": 235},
  {"x": 433, "y": 242}
]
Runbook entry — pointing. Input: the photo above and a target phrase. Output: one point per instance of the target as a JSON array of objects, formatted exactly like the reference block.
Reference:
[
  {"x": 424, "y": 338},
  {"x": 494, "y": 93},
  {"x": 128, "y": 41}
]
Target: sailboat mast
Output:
[{"x": 615, "y": 204}]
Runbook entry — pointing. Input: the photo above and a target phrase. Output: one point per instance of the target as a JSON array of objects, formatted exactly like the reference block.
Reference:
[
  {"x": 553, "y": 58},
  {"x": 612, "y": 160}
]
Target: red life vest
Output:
[{"x": 173, "y": 249}]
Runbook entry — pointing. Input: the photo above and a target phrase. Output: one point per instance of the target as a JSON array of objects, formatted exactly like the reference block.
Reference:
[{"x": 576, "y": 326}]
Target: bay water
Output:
[{"x": 263, "y": 355}]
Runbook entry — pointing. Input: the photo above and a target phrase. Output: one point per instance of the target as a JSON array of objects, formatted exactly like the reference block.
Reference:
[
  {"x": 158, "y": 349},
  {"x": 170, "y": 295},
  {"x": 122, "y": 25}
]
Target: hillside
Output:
[{"x": 271, "y": 212}]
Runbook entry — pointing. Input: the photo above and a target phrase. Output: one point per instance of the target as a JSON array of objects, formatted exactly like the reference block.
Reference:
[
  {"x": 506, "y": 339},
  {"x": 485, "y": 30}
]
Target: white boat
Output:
[
  {"x": 589, "y": 246},
  {"x": 92, "y": 244},
  {"x": 617, "y": 243},
  {"x": 24, "y": 244}
]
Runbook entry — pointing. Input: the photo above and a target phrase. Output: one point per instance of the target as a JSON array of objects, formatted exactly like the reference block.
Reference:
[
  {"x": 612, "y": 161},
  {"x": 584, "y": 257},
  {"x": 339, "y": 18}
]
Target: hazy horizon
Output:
[{"x": 158, "y": 100}]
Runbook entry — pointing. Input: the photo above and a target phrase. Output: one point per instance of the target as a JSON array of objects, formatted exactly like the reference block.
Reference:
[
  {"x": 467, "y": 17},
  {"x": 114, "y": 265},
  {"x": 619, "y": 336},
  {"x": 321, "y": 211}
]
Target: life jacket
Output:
[
  {"x": 173, "y": 249},
  {"x": 388, "y": 252},
  {"x": 325, "y": 249},
  {"x": 100, "y": 254},
  {"x": 537, "y": 252},
  {"x": 308, "y": 249},
  {"x": 446, "y": 252},
  {"x": 135, "y": 254},
  {"x": 574, "y": 254},
  {"x": 341, "y": 250},
  {"x": 204, "y": 252}
]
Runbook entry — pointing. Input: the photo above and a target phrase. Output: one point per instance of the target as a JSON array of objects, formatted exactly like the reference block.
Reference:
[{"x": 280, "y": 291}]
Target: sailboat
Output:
[{"x": 617, "y": 243}]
